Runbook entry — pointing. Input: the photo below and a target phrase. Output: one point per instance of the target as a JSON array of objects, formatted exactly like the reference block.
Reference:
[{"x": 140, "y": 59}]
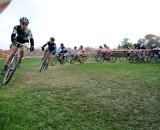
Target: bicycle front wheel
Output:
[
  {"x": 10, "y": 71},
  {"x": 44, "y": 63},
  {"x": 73, "y": 60},
  {"x": 54, "y": 60},
  {"x": 157, "y": 59},
  {"x": 99, "y": 58}
]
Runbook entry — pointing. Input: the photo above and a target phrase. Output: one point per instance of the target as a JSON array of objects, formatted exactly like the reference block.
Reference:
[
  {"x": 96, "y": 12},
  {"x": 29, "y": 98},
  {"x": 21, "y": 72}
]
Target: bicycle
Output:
[
  {"x": 82, "y": 59},
  {"x": 100, "y": 57},
  {"x": 44, "y": 61},
  {"x": 69, "y": 57},
  {"x": 154, "y": 57},
  {"x": 125, "y": 56},
  {"x": 60, "y": 58},
  {"x": 13, "y": 64},
  {"x": 140, "y": 57}
]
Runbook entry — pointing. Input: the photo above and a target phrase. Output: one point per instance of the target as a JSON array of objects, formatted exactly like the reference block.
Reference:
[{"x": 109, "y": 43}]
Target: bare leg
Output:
[
  {"x": 12, "y": 52},
  {"x": 49, "y": 60},
  {"x": 21, "y": 54},
  {"x": 9, "y": 58},
  {"x": 45, "y": 52}
]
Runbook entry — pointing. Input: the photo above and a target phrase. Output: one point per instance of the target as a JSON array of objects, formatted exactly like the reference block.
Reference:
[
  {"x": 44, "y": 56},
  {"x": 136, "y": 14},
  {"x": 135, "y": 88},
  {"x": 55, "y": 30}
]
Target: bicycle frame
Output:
[
  {"x": 13, "y": 64},
  {"x": 81, "y": 59},
  {"x": 101, "y": 57},
  {"x": 44, "y": 62}
]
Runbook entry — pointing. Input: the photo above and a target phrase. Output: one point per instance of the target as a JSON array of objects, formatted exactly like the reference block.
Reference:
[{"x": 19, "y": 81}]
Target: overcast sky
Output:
[{"x": 87, "y": 22}]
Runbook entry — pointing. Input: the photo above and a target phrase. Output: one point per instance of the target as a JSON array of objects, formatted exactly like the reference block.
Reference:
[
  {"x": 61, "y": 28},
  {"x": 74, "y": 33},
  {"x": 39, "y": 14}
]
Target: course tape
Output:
[{"x": 125, "y": 50}]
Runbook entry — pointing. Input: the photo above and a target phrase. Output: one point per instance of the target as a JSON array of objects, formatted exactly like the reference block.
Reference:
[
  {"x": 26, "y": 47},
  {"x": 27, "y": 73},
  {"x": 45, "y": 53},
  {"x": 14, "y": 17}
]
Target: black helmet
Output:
[
  {"x": 24, "y": 20},
  {"x": 100, "y": 46},
  {"x": 105, "y": 46},
  {"x": 81, "y": 46},
  {"x": 62, "y": 44},
  {"x": 52, "y": 39}
]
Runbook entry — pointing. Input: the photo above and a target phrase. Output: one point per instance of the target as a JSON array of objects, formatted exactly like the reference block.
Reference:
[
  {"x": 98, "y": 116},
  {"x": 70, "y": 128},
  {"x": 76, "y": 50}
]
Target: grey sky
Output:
[{"x": 87, "y": 22}]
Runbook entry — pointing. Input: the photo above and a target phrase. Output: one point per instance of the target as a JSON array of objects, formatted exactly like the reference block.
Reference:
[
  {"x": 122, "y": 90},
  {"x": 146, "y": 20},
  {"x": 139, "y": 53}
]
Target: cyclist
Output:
[
  {"x": 51, "y": 46},
  {"x": 22, "y": 34},
  {"x": 128, "y": 50},
  {"x": 154, "y": 50},
  {"x": 100, "y": 47},
  {"x": 62, "y": 51},
  {"x": 142, "y": 46},
  {"x": 107, "y": 51},
  {"x": 74, "y": 52},
  {"x": 80, "y": 52},
  {"x": 137, "y": 46}
]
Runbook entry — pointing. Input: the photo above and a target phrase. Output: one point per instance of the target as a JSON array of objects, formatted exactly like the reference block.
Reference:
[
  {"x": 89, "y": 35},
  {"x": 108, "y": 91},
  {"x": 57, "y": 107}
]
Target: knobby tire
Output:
[{"x": 10, "y": 71}]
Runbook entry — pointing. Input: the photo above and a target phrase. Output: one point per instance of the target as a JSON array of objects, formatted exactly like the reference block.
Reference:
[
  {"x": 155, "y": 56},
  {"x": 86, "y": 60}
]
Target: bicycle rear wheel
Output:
[
  {"x": 10, "y": 71},
  {"x": 63, "y": 60},
  {"x": 112, "y": 59},
  {"x": 146, "y": 59},
  {"x": 83, "y": 59},
  {"x": 68, "y": 58}
]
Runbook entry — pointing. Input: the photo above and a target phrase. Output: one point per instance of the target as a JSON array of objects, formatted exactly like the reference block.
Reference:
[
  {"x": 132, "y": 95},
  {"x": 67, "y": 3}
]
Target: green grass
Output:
[{"x": 90, "y": 96}]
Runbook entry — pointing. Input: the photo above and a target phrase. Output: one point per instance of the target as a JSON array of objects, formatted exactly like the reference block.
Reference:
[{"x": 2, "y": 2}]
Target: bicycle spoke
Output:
[{"x": 10, "y": 71}]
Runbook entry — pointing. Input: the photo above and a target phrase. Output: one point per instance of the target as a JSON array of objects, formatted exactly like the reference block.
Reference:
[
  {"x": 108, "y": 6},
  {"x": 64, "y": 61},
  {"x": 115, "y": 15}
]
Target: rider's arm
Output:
[
  {"x": 75, "y": 52},
  {"x": 13, "y": 35},
  {"x": 31, "y": 38},
  {"x": 59, "y": 50},
  {"x": 32, "y": 42},
  {"x": 84, "y": 51},
  {"x": 45, "y": 45},
  {"x": 13, "y": 38},
  {"x": 66, "y": 50}
]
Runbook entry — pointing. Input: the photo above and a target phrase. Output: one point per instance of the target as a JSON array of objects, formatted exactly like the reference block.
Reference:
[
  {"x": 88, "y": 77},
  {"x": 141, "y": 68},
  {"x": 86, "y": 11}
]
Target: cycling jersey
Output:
[
  {"x": 51, "y": 46},
  {"x": 62, "y": 51},
  {"x": 81, "y": 51},
  {"x": 22, "y": 36}
]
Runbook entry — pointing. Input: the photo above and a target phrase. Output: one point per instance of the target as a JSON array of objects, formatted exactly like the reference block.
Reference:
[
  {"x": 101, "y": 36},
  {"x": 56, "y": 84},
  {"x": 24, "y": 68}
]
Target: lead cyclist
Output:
[{"x": 22, "y": 34}]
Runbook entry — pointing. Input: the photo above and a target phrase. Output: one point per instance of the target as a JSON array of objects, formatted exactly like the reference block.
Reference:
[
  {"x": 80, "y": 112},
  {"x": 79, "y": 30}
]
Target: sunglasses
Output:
[{"x": 25, "y": 24}]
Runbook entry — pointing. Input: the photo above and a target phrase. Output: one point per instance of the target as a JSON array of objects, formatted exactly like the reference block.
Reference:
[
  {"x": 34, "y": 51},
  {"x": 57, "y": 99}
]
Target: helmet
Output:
[
  {"x": 62, "y": 44},
  {"x": 81, "y": 46},
  {"x": 52, "y": 39},
  {"x": 24, "y": 20},
  {"x": 105, "y": 45},
  {"x": 100, "y": 46}
]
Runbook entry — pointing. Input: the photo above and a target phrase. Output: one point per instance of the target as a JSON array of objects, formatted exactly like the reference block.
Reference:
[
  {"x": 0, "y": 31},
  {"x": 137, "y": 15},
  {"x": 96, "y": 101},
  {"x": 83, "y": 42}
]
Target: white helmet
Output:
[{"x": 24, "y": 20}]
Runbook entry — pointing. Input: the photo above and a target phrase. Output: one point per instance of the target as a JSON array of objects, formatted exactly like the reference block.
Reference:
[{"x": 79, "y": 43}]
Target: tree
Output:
[{"x": 125, "y": 44}]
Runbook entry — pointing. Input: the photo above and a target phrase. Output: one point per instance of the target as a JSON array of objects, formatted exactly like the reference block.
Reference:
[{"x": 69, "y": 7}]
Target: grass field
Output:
[{"x": 92, "y": 96}]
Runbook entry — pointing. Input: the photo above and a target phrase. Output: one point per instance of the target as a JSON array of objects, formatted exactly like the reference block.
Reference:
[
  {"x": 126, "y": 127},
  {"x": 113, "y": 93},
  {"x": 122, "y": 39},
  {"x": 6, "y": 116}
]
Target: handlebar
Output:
[{"x": 22, "y": 44}]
